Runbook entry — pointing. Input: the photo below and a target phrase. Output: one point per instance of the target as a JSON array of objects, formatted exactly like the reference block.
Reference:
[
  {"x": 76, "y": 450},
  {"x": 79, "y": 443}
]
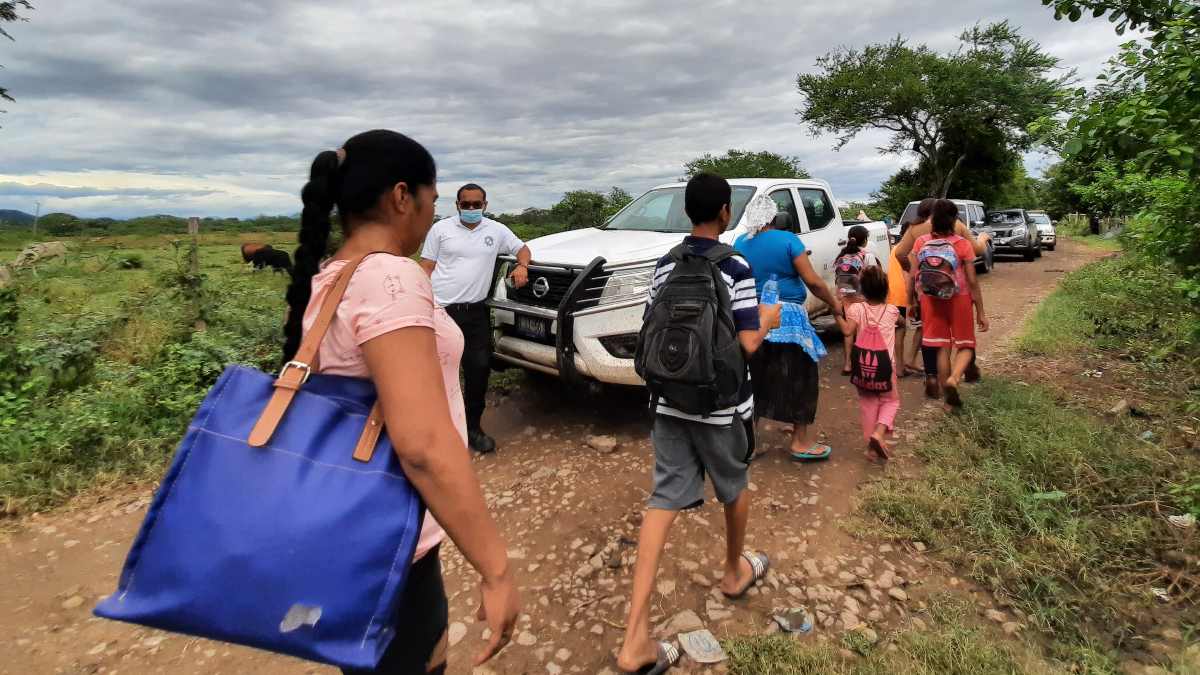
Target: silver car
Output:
[
  {"x": 1014, "y": 233},
  {"x": 1045, "y": 229}
]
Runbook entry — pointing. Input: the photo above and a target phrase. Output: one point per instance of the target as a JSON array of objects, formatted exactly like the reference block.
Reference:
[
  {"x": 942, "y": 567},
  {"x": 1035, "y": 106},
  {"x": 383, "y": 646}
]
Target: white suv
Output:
[{"x": 581, "y": 311}]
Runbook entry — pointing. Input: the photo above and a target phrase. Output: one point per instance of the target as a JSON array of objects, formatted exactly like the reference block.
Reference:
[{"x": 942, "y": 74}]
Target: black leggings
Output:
[
  {"x": 929, "y": 356},
  {"x": 420, "y": 622}
]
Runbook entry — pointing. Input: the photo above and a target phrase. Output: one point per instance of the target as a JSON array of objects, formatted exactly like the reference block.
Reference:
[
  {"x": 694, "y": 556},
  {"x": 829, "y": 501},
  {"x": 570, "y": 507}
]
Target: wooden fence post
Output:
[{"x": 194, "y": 264}]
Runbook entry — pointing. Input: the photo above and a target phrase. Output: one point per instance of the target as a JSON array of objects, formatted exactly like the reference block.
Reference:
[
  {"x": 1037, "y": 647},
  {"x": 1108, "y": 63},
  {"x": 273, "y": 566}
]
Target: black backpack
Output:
[{"x": 688, "y": 350}]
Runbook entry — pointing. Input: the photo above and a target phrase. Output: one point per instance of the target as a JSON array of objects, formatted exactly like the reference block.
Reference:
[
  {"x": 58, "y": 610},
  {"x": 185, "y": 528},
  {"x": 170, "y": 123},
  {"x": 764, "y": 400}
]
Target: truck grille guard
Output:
[{"x": 564, "y": 339}]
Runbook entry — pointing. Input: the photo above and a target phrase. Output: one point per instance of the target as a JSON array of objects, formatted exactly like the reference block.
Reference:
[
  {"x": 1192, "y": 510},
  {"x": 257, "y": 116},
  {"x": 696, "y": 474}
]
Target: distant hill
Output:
[{"x": 10, "y": 218}]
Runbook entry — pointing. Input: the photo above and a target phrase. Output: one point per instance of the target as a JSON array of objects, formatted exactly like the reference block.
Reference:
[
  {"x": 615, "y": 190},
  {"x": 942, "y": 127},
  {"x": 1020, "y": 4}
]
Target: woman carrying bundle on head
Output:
[{"x": 784, "y": 369}]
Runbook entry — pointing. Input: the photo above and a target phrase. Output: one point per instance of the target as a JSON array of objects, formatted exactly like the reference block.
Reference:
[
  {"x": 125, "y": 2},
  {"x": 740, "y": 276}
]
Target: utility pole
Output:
[{"x": 36, "y": 214}]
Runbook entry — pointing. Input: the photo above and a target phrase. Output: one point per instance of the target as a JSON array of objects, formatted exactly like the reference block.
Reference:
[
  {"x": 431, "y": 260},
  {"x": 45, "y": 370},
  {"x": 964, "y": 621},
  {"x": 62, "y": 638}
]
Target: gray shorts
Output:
[{"x": 684, "y": 451}]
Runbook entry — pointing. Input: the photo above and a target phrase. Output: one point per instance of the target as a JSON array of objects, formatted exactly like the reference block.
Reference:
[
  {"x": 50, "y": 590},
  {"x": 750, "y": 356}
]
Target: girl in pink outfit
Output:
[{"x": 878, "y": 398}]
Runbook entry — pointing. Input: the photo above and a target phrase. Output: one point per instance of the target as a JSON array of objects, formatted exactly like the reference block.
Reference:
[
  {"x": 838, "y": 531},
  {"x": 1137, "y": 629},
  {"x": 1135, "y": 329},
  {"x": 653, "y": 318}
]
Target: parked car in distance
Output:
[
  {"x": 1014, "y": 232},
  {"x": 970, "y": 212},
  {"x": 580, "y": 314},
  {"x": 1045, "y": 229}
]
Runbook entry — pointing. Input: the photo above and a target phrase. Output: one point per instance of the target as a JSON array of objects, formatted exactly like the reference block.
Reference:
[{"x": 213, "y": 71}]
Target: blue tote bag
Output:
[{"x": 284, "y": 522}]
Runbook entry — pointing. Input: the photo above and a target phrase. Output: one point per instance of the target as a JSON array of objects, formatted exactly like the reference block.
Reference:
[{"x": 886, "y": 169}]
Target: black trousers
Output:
[
  {"x": 420, "y": 621},
  {"x": 475, "y": 321}
]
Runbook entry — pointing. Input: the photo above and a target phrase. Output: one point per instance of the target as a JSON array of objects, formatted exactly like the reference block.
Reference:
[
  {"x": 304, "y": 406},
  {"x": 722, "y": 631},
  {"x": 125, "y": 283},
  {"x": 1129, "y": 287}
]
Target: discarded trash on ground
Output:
[
  {"x": 795, "y": 620},
  {"x": 702, "y": 647}
]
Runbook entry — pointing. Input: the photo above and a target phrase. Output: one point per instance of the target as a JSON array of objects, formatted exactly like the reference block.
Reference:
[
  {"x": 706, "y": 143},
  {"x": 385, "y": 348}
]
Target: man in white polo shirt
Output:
[{"x": 460, "y": 256}]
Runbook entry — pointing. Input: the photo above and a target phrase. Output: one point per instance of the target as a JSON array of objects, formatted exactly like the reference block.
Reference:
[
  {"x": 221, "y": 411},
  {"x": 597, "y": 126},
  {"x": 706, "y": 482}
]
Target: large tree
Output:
[
  {"x": 1134, "y": 137},
  {"x": 587, "y": 208},
  {"x": 8, "y": 14},
  {"x": 746, "y": 164},
  {"x": 996, "y": 82}
]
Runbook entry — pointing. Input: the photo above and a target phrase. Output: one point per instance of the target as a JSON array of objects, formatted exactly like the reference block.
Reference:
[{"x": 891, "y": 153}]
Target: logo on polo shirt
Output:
[{"x": 488, "y": 240}]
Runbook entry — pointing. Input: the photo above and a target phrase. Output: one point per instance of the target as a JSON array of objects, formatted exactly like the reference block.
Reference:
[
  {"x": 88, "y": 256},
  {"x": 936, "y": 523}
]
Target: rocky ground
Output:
[{"x": 567, "y": 488}]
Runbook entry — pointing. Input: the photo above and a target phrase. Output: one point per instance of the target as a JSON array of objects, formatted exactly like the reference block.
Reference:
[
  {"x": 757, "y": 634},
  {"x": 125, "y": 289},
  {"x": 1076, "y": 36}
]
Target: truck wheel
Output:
[
  {"x": 1029, "y": 256},
  {"x": 1037, "y": 251}
]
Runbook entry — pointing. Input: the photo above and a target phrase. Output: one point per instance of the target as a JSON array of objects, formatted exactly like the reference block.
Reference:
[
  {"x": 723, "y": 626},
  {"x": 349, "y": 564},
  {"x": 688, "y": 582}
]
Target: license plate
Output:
[{"x": 533, "y": 327}]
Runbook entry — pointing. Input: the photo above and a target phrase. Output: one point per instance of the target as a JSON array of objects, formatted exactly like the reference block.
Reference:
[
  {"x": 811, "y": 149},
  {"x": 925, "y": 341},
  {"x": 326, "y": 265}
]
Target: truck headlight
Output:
[
  {"x": 1020, "y": 231},
  {"x": 626, "y": 285}
]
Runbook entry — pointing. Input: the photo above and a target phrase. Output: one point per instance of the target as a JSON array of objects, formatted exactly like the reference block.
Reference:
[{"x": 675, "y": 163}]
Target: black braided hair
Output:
[
  {"x": 374, "y": 162},
  {"x": 856, "y": 240}
]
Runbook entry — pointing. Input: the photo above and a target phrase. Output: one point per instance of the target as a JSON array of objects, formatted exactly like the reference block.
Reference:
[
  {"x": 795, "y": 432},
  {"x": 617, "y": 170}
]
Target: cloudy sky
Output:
[{"x": 148, "y": 106}]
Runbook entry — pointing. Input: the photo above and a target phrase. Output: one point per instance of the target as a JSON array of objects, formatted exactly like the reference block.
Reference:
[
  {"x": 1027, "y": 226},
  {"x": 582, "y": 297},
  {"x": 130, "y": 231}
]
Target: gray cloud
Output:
[
  {"x": 10, "y": 189},
  {"x": 532, "y": 99}
]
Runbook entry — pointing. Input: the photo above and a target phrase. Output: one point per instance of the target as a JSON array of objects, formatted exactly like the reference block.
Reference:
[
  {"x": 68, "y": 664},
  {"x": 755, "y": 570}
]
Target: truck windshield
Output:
[
  {"x": 1039, "y": 218},
  {"x": 662, "y": 211},
  {"x": 1005, "y": 217}
]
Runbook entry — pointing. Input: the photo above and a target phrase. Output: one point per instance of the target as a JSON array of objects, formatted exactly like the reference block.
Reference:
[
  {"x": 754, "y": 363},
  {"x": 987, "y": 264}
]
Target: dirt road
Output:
[{"x": 570, "y": 514}]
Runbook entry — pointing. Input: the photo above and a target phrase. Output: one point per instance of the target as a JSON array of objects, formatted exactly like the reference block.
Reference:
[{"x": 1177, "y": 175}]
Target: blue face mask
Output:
[{"x": 471, "y": 217}]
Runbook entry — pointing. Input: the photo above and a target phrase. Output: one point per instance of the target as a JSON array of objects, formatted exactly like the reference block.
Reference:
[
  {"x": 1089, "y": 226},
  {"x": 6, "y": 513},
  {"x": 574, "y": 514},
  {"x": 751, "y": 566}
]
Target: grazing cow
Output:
[
  {"x": 248, "y": 251},
  {"x": 38, "y": 252},
  {"x": 277, "y": 260}
]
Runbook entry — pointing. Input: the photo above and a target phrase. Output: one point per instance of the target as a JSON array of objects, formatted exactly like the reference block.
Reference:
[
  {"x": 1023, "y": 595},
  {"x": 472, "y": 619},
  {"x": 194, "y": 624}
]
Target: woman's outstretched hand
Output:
[{"x": 499, "y": 606}]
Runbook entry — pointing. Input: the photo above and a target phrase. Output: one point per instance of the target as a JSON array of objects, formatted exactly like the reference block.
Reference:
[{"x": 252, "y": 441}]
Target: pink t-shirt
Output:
[
  {"x": 885, "y": 316},
  {"x": 388, "y": 293}
]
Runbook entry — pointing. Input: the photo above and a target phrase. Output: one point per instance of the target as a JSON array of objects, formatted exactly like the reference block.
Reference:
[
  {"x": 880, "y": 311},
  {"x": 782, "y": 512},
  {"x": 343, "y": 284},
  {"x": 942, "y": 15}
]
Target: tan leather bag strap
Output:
[{"x": 297, "y": 371}]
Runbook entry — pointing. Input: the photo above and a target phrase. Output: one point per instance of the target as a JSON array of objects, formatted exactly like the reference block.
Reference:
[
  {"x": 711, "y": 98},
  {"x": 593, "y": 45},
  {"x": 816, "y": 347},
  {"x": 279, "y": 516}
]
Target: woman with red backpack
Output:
[{"x": 950, "y": 296}]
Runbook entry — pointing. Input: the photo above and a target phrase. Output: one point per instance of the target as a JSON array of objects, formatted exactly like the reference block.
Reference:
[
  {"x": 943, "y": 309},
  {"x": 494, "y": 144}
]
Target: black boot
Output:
[
  {"x": 932, "y": 389},
  {"x": 972, "y": 374},
  {"x": 480, "y": 442}
]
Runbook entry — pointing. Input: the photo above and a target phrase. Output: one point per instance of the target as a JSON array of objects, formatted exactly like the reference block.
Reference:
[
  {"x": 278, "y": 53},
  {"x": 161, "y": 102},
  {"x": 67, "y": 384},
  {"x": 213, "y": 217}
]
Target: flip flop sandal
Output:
[
  {"x": 668, "y": 656},
  {"x": 810, "y": 456},
  {"x": 952, "y": 397},
  {"x": 759, "y": 564},
  {"x": 877, "y": 451},
  {"x": 846, "y": 372}
]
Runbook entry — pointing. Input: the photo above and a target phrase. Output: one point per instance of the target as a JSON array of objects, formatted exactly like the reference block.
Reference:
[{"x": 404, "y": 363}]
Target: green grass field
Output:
[
  {"x": 100, "y": 367},
  {"x": 1057, "y": 510},
  {"x": 1054, "y": 507}
]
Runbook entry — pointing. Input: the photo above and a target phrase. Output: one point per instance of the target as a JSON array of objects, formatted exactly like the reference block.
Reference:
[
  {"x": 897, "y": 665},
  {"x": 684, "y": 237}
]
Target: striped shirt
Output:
[{"x": 740, "y": 280}]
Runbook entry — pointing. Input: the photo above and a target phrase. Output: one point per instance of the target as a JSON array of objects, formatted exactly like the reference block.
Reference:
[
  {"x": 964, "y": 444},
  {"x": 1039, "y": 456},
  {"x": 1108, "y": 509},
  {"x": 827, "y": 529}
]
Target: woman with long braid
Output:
[{"x": 388, "y": 328}]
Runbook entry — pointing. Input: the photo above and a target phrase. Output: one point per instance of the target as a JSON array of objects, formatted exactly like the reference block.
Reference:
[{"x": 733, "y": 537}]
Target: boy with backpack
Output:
[
  {"x": 951, "y": 300},
  {"x": 847, "y": 274},
  {"x": 702, "y": 323},
  {"x": 871, "y": 325}
]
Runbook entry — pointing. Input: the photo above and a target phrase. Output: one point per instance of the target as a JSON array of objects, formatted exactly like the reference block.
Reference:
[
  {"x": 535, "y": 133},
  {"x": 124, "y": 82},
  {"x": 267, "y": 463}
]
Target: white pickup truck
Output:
[{"x": 580, "y": 313}]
